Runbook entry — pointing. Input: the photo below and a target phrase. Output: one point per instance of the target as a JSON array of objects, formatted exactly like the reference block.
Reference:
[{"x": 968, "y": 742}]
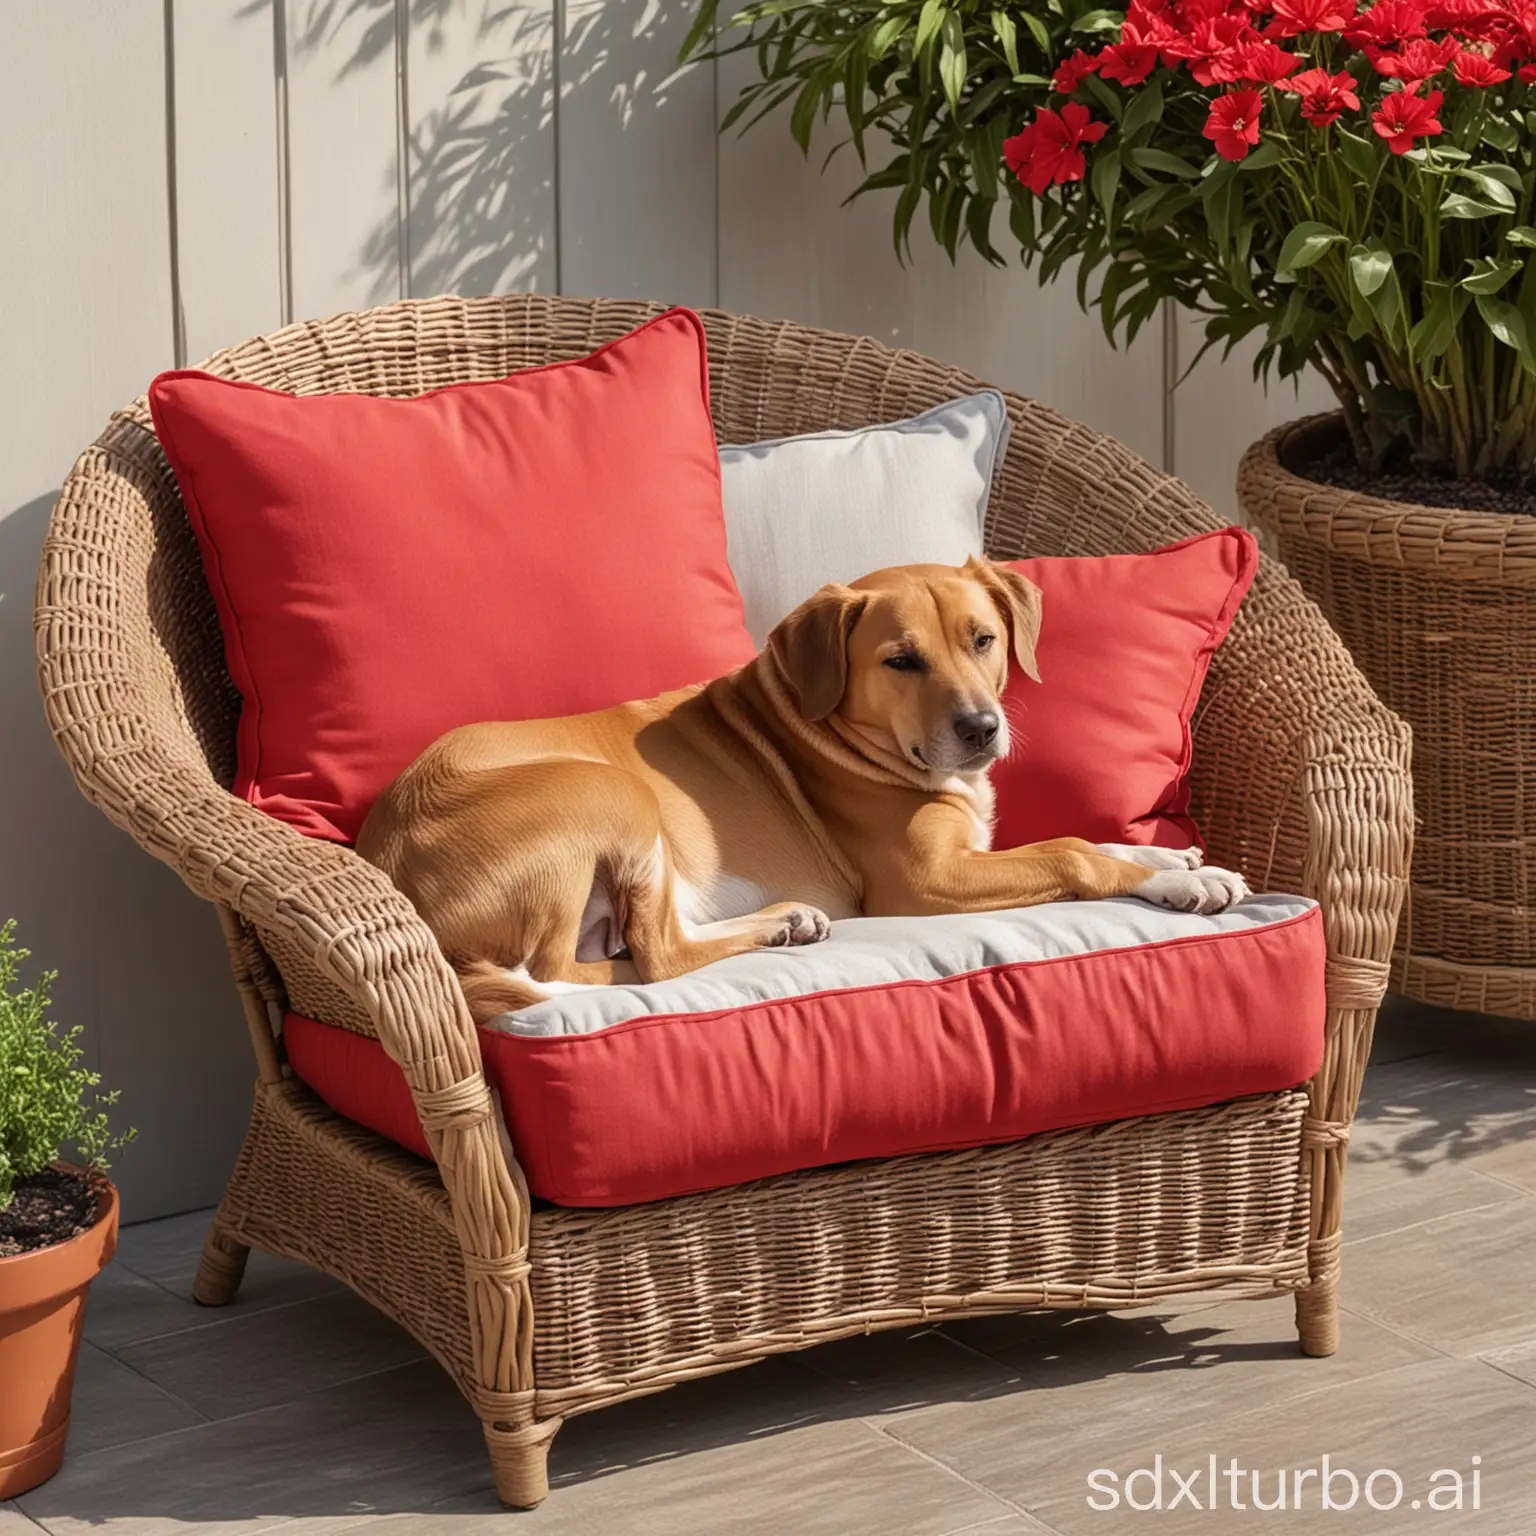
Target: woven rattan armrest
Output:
[
  {"x": 1300, "y": 775},
  {"x": 110, "y": 690}
]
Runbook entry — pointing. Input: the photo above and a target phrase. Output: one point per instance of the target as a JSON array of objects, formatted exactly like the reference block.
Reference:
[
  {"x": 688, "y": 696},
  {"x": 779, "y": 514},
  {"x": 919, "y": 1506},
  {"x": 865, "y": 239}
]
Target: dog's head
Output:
[{"x": 913, "y": 659}]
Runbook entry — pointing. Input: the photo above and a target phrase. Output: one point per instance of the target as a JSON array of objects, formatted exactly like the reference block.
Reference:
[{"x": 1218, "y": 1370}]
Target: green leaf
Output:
[
  {"x": 1106, "y": 182},
  {"x": 1457, "y": 205},
  {"x": 929, "y": 20},
  {"x": 1161, "y": 160},
  {"x": 703, "y": 23},
  {"x": 1145, "y": 199},
  {"x": 1260, "y": 159},
  {"x": 1037, "y": 29},
  {"x": 1501, "y": 135},
  {"x": 1494, "y": 189},
  {"x": 802, "y": 117},
  {"x": 1007, "y": 35},
  {"x": 1361, "y": 158},
  {"x": 1021, "y": 217},
  {"x": 887, "y": 33},
  {"x": 1145, "y": 109},
  {"x": 1104, "y": 96},
  {"x": 1431, "y": 338},
  {"x": 952, "y": 62},
  {"x": 1370, "y": 265},
  {"x": 1488, "y": 276},
  {"x": 1508, "y": 325},
  {"x": 978, "y": 227},
  {"x": 1303, "y": 247},
  {"x": 1098, "y": 21},
  {"x": 1522, "y": 234}
]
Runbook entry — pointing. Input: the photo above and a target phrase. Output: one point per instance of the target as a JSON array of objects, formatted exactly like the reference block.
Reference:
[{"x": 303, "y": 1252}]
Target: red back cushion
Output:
[
  {"x": 385, "y": 570},
  {"x": 1124, "y": 647}
]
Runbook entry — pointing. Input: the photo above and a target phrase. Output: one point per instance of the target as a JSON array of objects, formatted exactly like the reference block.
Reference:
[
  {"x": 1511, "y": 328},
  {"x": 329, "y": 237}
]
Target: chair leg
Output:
[
  {"x": 1317, "y": 1315},
  {"x": 221, "y": 1270},
  {"x": 520, "y": 1460}
]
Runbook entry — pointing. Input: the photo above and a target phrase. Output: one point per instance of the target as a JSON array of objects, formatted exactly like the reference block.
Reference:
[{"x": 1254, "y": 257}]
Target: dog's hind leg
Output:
[{"x": 664, "y": 944}]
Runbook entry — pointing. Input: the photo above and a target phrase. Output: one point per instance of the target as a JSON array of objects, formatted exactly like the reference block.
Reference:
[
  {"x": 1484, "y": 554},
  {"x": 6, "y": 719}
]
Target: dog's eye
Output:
[
  {"x": 905, "y": 661},
  {"x": 984, "y": 642}
]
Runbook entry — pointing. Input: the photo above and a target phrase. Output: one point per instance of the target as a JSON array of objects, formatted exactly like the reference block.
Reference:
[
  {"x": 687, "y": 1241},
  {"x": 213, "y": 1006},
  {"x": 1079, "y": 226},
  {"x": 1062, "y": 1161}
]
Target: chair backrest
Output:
[{"x": 121, "y": 500}]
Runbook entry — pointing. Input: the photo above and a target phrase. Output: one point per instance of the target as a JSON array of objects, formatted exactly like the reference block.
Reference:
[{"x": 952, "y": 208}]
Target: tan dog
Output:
[{"x": 841, "y": 772}]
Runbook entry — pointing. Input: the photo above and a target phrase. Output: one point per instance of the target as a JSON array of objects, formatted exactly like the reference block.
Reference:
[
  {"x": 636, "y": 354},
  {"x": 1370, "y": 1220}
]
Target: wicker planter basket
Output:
[{"x": 1438, "y": 608}]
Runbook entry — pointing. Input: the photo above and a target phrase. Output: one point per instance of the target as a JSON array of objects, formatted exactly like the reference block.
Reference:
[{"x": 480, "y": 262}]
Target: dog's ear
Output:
[
  {"x": 1019, "y": 601},
  {"x": 810, "y": 646}
]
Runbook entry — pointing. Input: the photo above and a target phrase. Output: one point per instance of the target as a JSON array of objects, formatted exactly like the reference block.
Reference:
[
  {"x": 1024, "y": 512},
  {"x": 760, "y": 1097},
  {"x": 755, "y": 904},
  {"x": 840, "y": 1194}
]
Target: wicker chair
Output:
[{"x": 537, "y": 1312}]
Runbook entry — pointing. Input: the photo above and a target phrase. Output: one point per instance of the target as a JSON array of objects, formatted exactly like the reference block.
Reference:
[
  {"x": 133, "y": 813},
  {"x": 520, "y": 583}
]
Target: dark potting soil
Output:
[
  {"x": 49, "y": 1207},
  {"x": 1336, "y": 465}
]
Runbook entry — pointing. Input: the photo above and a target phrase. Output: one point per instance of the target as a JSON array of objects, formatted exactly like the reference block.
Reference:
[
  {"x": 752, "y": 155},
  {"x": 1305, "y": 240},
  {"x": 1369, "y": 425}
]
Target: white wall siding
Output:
[
  {"x": 182, "y": 174},
  {"x": 480, "y": 88},
  {"x": 344, "y": 205},
  {"x": 228, "y": 229},
  {"x": 86, "y": 319}
]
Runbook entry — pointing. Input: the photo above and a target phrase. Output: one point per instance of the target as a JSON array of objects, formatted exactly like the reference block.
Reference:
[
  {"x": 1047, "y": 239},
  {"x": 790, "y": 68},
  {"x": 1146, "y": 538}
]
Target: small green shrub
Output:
[{"x": 48, "y": 1102}]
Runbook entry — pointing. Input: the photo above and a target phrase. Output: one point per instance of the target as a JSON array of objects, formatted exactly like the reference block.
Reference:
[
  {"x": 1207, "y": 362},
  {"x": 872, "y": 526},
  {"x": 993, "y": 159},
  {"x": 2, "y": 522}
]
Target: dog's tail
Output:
[{"x": 491, "y": 989}]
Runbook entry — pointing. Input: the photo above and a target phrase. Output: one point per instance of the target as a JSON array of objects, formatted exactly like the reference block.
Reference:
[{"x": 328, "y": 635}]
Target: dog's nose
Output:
[{"x": 977, "y": 730}]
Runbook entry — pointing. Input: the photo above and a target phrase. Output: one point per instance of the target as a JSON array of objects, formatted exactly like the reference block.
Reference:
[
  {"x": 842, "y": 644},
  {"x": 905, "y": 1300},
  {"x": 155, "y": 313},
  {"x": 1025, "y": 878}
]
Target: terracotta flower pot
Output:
[
  {"x": 1438, "y": 608},
  {"x": 42, "y": 1306}
]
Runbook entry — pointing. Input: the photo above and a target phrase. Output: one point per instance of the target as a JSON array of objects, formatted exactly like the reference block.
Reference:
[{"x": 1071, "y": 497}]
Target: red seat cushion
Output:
[
  {"x": 939, "y": 1042},
  {"x": 1124, "y": 647},
  {"x": 387, "y": 569}
]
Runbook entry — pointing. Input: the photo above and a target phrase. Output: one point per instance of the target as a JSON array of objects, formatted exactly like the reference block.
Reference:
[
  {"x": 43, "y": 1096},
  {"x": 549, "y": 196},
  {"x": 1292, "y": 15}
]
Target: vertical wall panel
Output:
[
  {"x": 85, "y": 311},
  {"x": 343, "y": 199},
  {"x": 1000, "y": 324},
  {"x": 226, "y": 173},
  {"x": 480, "y": 91},
  {"x": 787, "y": 248},
  {"x": 637, "y": 154},
  {"x": 1220, "y": 408}
]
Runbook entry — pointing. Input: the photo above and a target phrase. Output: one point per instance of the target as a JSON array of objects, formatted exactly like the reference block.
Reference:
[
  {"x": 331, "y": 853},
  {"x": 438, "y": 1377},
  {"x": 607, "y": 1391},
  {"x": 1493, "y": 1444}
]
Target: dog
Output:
[{"x": 842, "y": 772}]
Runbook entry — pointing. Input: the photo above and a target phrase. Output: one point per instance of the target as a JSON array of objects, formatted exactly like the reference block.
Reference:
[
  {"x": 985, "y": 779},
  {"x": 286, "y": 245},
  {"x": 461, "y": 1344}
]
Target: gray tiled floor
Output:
[{"x": 300, "y": 1408}]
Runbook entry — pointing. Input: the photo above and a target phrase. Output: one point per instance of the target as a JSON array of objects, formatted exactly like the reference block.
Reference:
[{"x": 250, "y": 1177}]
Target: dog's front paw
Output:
[
  {"x": 1154, "y": 858},
  {"x": 800, "y": 924},
  {"x": 1206, "y": 889}
]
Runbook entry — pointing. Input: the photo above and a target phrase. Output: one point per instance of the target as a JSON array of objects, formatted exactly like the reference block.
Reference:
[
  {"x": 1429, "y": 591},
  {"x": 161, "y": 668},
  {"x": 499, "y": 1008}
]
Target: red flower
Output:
[
  {"x": 1234, "y": 123},
  {"x": 1405, "y": 116},
  {"x": 1387, "y": 22},
  {"x": 1528, "y": 73},
  {"x": 1468, "y": 17},
  {"x": 1130, "y": 60},
  {"x": 1208, "y": 43},
  {"x": 1047, "y": 152},
  {"x": 1071, "y": 73},
  {"x": 1477, "y": 70},
  {"x": 1258, "y": 61},
  {"x": 1415, "y": 61},
  {"x": 1324, "y": 97},
  {"x": 1293, "y": 16}
]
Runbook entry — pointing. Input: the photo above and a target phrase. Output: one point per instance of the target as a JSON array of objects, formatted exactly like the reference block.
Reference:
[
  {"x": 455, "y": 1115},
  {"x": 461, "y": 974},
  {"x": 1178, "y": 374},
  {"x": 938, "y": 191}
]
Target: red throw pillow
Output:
[
  {"x": 388, "y": 569},
  {"x": 1124, "y": 646}
]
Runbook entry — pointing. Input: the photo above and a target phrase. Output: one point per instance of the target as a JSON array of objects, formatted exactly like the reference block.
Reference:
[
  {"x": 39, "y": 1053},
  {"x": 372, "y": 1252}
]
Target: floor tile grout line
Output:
[
  {"x": 160, "y": 1387},
  {"x": 11, "y": 1507},
  {"x": 1402, "y": 1333},
  {"x": 227, "y": 1319},
  {"x": 1495, "y": 1365},
  {"x": 1413, "y": 1226},
  {"x": 938, "y": 1461},
  {"x": 250, "y": 1413},
  {"x": 986, "y": 1525}
]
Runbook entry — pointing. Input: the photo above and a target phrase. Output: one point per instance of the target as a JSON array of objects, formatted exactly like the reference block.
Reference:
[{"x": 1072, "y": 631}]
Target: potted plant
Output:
[
  {"x": 1351, "y": 185},
  {"x": 58, "y": 1220}
]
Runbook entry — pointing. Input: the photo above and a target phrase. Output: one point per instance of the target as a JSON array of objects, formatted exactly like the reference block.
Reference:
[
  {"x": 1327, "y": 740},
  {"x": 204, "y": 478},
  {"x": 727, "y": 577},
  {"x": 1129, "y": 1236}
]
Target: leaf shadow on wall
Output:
[{"x": 481, "y": 141}]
